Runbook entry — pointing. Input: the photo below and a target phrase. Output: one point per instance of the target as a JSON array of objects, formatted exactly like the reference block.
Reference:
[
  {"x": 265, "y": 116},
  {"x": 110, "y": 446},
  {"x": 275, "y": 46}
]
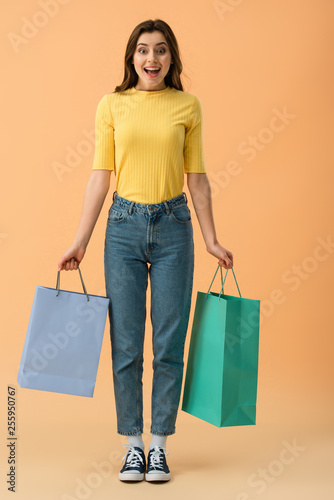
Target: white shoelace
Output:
[
  {"x": 134, "y": 457},
  {"x": 156, "y": 456}
]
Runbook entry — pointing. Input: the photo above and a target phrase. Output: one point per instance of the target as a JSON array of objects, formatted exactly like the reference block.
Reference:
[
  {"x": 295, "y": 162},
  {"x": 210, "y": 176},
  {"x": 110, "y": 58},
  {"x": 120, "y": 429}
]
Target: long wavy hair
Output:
[{"x": 172, "y": 79}]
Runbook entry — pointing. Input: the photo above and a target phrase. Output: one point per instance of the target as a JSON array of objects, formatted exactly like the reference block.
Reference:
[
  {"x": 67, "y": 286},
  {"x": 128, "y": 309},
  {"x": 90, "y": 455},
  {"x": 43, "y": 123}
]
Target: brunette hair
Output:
[{"x": 172, "y": 79}]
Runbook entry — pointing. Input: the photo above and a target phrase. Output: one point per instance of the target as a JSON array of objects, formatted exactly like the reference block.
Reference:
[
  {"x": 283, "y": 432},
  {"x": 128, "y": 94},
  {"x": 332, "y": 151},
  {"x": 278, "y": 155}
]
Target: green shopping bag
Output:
[{"x": 222, "y": 369}]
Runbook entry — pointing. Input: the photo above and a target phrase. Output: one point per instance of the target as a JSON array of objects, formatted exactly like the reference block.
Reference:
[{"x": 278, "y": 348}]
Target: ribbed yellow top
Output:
[{"x": 149, "y": 138}]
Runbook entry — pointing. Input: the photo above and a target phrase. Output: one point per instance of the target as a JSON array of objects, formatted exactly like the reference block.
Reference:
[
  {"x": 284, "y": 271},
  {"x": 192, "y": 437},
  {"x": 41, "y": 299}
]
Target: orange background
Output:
[{"x": 247, "y": 61}]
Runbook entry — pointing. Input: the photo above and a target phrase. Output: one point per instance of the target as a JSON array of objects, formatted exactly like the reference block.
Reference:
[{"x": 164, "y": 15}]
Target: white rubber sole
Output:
[
  {"x": 157, "y": 476},
  {"x": 131, "y": 476}
]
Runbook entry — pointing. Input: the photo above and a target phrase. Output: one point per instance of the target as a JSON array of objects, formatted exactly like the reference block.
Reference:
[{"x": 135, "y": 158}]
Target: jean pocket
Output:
[
  {"x": 117, "y": 214},
  {"x": 181, "y": 214}
]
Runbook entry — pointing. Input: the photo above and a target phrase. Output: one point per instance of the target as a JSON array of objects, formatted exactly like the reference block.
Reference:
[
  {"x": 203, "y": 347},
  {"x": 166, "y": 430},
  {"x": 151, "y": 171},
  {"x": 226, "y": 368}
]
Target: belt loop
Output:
[
  {"x": 167, "y": 207},
  {"x": 185, "y": 196},
  {"x": 113, "y": 196},
  {"x": 131, "y": 207}
]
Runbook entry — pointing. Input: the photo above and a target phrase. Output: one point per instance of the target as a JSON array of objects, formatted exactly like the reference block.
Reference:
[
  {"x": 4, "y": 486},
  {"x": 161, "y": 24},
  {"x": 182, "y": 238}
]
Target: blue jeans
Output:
[{"x": 142, "y": 240}]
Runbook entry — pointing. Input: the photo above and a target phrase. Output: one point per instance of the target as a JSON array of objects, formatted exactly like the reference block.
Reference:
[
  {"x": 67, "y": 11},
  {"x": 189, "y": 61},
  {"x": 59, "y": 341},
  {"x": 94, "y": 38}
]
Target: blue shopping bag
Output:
[
  {"x": 63, "y": 342},
  {"x": 222, "y": 369}
]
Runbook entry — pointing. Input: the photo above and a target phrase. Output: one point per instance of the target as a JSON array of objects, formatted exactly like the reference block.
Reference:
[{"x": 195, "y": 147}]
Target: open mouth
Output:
[{"x": 152, "y": 71}]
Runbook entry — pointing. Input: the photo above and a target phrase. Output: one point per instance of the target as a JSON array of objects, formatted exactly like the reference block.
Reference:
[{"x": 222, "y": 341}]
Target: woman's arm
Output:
[
  {"x": 96, "y": 191},
  {"x": 200, "y": 190}
]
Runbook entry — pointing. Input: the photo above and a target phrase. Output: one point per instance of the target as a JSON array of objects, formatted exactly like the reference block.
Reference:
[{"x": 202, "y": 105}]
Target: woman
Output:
[{"x": 149, "y": 132}]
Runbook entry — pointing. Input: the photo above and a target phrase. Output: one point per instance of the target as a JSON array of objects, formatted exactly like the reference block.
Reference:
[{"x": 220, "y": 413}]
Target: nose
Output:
[{"x": 151, "y": 57}]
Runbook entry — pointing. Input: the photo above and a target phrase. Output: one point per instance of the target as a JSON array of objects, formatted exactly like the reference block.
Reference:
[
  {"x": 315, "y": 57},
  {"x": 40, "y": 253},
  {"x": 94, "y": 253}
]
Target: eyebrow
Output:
[{"x": 160, "y": 43}]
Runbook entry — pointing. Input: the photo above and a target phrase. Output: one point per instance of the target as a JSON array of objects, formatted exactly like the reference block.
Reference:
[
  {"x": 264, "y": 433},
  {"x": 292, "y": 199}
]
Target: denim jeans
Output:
[{"x": 144, "y": 240}]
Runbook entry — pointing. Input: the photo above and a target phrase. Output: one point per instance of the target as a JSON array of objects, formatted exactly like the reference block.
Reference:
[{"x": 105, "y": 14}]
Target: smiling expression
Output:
[{"x": 152, "y": 52}]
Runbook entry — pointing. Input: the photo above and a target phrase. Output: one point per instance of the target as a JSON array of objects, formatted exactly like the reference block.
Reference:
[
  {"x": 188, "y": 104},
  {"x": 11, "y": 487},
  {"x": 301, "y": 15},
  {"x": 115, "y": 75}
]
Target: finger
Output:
[{"x": 226, "y": 264}]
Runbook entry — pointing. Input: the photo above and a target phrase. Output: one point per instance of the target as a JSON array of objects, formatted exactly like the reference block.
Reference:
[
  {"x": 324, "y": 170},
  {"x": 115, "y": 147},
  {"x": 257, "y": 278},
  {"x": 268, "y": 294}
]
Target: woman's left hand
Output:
[{"x": 225, "y": 256}]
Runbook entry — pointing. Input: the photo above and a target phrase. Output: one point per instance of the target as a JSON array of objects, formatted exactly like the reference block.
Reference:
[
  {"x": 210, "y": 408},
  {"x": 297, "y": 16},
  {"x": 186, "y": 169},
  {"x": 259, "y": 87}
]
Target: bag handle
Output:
[
  {"x": 83, "y": 285},
  {"x": 221, "y": 273},
  {"x": 223, "y": 282}
]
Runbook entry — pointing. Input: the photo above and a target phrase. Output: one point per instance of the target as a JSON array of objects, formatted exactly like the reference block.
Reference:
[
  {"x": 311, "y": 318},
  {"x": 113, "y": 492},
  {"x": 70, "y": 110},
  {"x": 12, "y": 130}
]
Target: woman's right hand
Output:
[{"x": 70, "y": 260}]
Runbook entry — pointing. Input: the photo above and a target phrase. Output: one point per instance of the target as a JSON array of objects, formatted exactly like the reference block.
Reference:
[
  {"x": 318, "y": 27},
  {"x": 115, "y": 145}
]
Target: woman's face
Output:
[{"x": 151, "y": 51}]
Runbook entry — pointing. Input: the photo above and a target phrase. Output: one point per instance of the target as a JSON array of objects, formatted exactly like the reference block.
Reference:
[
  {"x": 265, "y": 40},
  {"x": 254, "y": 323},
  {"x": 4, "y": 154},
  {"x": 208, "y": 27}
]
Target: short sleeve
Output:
[
  {"x": 104, "y": 155},
  {"x": 193, "y": 143}
]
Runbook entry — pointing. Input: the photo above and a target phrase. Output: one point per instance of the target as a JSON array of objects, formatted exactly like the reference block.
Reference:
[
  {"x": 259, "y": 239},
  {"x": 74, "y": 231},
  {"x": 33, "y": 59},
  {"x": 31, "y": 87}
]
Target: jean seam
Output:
[
  {"x": 131, "y": 433},
  {"x": 183, "y": 342},
  {"x": 137, "y": 383},
  {"x": 164, "y": 433}
]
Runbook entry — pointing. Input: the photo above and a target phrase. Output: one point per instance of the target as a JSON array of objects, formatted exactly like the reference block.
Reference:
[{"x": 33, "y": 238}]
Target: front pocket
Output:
[
  {"x": 117, "y": 215},
  {"x": 181, "y": 214}
]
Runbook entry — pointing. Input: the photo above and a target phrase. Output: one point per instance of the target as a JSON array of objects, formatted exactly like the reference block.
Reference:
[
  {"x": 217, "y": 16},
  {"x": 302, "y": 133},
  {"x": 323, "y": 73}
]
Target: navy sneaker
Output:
[
  {"x": 157, "y": 468},
  {"x": 134, "y": 465}
]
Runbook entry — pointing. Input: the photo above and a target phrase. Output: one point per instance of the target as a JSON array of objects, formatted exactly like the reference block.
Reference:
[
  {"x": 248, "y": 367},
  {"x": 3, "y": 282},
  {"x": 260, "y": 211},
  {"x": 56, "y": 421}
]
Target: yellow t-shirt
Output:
[{"x": 149, "y": 138}]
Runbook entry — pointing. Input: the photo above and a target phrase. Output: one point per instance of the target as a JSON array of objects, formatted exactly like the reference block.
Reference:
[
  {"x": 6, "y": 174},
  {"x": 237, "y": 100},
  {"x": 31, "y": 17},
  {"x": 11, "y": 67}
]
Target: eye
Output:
[{"x": 163, "y": 50}]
